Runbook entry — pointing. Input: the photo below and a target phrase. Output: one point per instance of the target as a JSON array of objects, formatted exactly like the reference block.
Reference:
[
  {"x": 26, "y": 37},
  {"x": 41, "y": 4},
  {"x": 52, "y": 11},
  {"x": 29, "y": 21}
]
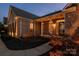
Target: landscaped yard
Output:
[{"x": 23, "y": 43}]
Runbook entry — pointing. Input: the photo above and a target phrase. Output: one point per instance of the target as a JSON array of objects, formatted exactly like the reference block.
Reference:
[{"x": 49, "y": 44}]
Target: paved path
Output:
[{"x": 29, "y": 52}]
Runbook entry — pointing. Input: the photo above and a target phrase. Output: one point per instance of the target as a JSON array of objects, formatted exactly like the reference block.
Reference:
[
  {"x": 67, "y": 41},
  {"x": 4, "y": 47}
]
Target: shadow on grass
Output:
[{"x": 22, "y": 43}]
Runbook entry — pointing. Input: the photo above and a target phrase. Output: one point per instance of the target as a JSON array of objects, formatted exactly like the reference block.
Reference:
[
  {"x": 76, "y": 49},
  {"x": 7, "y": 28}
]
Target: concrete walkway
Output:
[{"x": 29, "y": 52}]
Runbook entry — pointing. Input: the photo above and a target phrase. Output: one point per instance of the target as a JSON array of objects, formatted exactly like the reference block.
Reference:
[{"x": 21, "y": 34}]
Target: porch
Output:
[{"x": 49, "y": 26}]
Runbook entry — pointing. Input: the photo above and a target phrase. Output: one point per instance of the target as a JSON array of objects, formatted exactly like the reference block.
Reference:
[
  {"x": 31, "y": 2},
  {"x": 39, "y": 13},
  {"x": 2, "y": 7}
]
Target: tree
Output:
[{"x": 1, "y": 27}]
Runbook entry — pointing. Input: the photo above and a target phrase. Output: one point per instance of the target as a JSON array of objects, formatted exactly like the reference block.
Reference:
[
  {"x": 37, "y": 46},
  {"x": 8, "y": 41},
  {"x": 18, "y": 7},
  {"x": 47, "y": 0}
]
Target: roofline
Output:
[
  {"x": 67, "y": 5},
  {"x": 24, "y": 11},
  {"x": 51, "y": 13}
]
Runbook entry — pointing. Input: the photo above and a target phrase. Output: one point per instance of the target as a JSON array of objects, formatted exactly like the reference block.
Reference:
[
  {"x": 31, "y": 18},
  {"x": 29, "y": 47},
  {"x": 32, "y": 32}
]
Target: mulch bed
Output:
[{"x": 22, "y": 43}]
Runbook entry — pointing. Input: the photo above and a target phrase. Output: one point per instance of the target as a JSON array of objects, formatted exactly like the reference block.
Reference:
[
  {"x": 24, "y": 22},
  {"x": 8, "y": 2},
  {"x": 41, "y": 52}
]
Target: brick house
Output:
[{"x": 22, "y": 23}]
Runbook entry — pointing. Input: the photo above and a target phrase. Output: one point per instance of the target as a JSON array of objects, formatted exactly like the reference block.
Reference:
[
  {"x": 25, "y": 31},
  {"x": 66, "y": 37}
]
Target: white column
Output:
[{"x": 42, "y": 28}]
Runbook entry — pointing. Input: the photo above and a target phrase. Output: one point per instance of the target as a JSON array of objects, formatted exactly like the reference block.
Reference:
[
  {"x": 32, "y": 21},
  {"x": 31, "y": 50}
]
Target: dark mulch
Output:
[
  {"x": 22, "y": 43},
  {"x": 35, "y": 41},
  {"x": 11, "y": 42}
]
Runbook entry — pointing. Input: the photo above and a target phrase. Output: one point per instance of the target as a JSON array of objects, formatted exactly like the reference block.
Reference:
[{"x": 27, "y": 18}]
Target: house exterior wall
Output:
[
  {"x": 18, "y": 26},
  {"x": 23, "y": 27},
  {"x": 37, "y": 28},
  {"x": 71, "y": 20},
  {"x": 10, "y": 23},
  {"x": 46, "y": 28}
]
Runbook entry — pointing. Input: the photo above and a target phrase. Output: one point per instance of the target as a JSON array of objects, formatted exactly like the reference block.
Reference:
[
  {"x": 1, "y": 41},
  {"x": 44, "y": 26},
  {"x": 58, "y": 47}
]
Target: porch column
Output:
[
  {"x": 17, "y": 26},
  {"x": 54, "y": 27},
  {"x": 42, "y": 28},
  {"x": 20, "y": 24},
  {"x": 34, "y": 28},
  {"x": 50, "y": 27}
]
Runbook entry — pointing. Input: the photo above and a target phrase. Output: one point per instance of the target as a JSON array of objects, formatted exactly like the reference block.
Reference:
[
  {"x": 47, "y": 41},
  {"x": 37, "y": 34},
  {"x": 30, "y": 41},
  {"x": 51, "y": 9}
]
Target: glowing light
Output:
[
  {"x": 16, "y": 17},
  {"x": 16, "y": 34},
  {"x": 31, "y": 26},
  {"x": 12, "y": 34},
  {"x": 9, "y": 33},
  {"x": 54, "y": 25}
]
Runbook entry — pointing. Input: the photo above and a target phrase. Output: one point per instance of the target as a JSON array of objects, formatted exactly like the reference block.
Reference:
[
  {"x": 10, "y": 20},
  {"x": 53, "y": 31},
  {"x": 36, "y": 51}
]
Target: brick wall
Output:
[
  {"x": 72, "y": 21},
  {"x": 46, "y": 28}
]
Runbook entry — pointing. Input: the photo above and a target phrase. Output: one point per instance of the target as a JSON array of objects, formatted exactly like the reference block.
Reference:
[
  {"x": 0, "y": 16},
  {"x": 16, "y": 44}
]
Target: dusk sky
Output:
[{"x": 38, "y": 9}]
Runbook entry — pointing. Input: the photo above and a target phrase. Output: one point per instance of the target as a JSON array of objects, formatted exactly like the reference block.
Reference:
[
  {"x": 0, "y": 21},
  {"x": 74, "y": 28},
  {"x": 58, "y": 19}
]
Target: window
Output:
[{"x": 61, "y": 28}]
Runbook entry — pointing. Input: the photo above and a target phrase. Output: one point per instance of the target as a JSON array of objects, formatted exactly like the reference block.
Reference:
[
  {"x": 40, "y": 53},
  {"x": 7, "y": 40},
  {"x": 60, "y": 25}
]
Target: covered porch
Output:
[{"x": 49, "y": 25}]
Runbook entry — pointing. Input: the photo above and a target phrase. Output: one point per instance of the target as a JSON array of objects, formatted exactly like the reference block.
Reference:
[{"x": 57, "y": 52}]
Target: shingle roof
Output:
[
  {"x": 23, "y": 13},
  {"x": 51, "y": 13}
]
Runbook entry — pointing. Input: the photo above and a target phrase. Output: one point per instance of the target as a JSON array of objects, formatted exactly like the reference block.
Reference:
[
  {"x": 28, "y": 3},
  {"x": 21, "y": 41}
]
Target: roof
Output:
[
  {"x": 70, "y": 5},
  {"x": 23, "y": 13},
  {"x": 51, "y": 13}
]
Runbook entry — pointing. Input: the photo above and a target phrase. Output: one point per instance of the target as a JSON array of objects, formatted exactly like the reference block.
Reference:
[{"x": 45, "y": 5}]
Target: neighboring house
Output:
[
  {"x": 19, "y": 22},
  {"x": 22, "y": 24}
]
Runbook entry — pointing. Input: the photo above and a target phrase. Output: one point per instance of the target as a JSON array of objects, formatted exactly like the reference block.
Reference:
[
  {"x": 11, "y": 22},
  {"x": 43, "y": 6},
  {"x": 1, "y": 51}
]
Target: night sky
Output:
[{"x": 39, "y": 9}]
